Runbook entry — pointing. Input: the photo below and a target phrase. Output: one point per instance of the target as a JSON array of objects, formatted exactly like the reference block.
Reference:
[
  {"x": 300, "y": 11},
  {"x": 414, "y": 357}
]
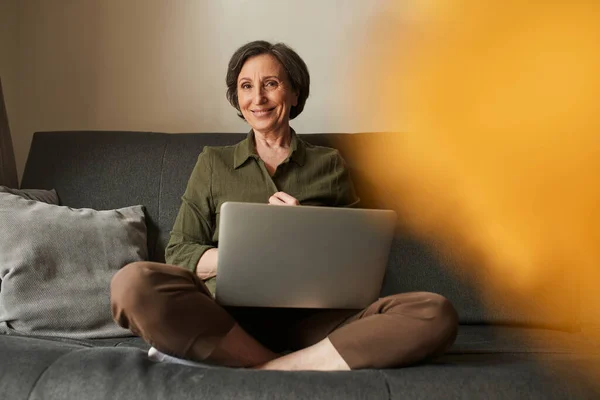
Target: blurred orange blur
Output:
[{"x": 500, "y": 161}]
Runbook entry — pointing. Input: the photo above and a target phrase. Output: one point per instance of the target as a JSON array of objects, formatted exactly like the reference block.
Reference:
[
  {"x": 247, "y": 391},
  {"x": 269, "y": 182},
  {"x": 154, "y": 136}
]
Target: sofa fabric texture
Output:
[
  {"x": 502, "y": 351},
  {"x": 56, "y": 264}
]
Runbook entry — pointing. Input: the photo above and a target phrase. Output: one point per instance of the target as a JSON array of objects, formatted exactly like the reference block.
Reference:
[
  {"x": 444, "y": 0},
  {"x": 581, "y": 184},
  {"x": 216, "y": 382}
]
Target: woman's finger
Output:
[
  {"x": 287, "y": 199},
  {"x": 276, "y": 200}
]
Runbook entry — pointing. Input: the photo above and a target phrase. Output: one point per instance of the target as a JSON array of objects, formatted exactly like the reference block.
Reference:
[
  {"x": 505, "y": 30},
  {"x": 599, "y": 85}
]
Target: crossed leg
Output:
[{"x": 174, "y": 311}]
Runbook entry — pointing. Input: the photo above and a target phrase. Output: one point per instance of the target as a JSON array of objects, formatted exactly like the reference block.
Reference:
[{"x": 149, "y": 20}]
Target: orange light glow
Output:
[{"x": 501, "y": 158}]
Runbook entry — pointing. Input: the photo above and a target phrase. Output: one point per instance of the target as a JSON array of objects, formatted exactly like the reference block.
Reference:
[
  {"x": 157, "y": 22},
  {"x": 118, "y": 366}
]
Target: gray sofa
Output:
[{"x": 501, "y": 352}]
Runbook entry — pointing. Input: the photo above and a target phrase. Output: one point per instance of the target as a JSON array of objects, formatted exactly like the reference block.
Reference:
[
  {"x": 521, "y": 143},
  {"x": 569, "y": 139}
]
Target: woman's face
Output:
[{"x": 265, "y": 94}]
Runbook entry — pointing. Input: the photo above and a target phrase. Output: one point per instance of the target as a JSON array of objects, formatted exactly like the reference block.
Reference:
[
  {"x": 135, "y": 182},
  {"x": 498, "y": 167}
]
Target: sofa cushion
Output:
[
  {"x": 23, "y": 361},
  {"x": 41, "y": 369},
  {"x": 498, "y": 377},
  {"x": 56, "y": 264}
]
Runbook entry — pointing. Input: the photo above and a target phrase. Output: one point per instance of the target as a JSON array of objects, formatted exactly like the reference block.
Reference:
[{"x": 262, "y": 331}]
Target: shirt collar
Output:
[{"x": 246, "y": 149}]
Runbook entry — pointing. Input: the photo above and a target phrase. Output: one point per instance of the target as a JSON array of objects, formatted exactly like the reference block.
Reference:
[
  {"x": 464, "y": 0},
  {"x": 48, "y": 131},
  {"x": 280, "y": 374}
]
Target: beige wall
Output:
[
  {"x": 9, "y": 55},
  {"x": 160, "y": 65}
]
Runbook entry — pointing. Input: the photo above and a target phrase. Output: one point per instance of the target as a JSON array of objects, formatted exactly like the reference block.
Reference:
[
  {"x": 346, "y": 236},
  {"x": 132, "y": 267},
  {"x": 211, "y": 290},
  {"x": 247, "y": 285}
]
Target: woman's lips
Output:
[{"x": 262, "y": 113}]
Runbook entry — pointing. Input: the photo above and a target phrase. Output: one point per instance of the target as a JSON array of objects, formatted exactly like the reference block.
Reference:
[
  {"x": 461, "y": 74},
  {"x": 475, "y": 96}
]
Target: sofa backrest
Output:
[{"x": 106, "y": 170}]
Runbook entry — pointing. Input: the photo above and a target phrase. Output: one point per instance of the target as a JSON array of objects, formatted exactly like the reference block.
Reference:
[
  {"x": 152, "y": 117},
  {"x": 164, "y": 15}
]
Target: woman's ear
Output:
[{"x": 295, "y": 98}]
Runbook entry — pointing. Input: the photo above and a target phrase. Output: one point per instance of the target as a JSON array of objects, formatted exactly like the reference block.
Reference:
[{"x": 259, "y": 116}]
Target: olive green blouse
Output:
[{"x": 314, "y": 175}]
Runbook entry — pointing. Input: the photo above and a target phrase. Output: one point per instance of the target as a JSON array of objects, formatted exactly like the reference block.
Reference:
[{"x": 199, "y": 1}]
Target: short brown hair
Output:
[{"x": 294, "y": 66}]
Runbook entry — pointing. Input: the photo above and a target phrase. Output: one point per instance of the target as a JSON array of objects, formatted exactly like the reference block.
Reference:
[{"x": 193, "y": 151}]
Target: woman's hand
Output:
[
  {"x": 283, "y": 199},
  {"x": 207, "y": 265}
]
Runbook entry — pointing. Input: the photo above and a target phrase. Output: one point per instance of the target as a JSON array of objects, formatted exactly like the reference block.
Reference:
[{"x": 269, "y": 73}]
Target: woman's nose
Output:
[{"x": 259, "y": 95}]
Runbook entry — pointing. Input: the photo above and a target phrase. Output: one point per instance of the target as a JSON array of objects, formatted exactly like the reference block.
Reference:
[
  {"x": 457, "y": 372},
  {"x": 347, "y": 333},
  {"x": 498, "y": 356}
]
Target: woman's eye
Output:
[
  {"x": 271, "y": 84},
  {"x": 245, "y": 86}
]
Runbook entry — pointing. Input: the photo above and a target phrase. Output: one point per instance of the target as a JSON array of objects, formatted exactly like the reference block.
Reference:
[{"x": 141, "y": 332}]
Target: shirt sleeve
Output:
[
  {"x": 193, "y": 230},
  {"x": 345, "y": 192}
]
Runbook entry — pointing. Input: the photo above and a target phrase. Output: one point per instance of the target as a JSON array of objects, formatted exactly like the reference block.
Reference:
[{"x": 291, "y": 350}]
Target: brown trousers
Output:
[{"x": 173, "y": 310}]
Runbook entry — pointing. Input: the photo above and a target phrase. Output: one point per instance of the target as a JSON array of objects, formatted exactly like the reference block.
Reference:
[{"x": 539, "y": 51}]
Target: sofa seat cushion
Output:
[
  {"x": 33, "y": 368},
  {"x": 23, "y": 360},
  {"x": 498, "y": 376}
]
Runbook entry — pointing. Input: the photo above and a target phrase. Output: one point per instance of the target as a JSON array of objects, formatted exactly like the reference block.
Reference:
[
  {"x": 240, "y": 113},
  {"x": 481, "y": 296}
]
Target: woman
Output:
[{"x": 173, "y": 308}]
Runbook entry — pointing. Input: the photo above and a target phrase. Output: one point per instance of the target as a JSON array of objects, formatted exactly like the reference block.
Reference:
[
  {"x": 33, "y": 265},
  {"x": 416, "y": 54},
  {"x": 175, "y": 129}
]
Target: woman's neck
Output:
[{"x": 273, "y": 140}]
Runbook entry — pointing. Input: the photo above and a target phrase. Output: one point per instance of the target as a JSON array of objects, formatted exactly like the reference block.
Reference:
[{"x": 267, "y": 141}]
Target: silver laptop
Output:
[{"x": 306, "y": 257}]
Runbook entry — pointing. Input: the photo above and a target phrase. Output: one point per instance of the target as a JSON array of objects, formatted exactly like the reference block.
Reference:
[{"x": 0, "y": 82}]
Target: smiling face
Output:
[{"x": 265, "y": 94}]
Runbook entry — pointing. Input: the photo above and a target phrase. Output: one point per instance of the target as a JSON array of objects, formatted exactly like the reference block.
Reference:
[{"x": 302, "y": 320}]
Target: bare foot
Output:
[{"x": 321, "y": 356}]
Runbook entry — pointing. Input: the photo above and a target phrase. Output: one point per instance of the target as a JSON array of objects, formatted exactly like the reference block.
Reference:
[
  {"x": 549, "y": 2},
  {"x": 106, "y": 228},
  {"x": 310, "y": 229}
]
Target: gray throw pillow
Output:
[
  {"x": 56, "y": 264},
  {"x": 47, "y": 196}
]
